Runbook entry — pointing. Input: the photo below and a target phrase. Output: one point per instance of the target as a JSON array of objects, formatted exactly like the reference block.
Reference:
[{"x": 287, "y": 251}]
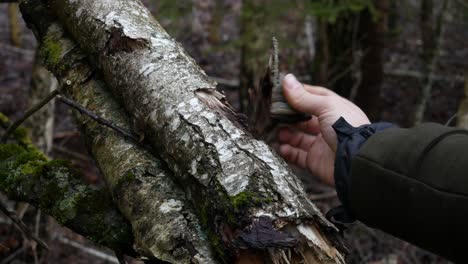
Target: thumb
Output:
[{"x": 300, "y": 99}]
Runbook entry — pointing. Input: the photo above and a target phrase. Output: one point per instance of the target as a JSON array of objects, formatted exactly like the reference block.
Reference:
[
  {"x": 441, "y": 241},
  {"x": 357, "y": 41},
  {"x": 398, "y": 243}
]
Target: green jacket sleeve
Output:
[{"x": 413, "y": 183}]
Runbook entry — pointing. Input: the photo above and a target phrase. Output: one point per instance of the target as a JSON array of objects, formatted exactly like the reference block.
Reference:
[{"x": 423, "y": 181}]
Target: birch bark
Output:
[
  {"x": 162, "y": 222},
  {"x": 247, "y": 200}
]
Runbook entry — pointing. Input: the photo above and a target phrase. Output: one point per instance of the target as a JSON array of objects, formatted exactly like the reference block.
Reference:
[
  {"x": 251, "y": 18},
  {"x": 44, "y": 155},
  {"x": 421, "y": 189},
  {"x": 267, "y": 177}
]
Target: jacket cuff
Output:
[{"x": 350, "y": 140}]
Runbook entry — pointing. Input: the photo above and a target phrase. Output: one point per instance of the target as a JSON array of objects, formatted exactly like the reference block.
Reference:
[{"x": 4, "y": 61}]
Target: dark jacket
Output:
[{"x": 411, "y": 183}]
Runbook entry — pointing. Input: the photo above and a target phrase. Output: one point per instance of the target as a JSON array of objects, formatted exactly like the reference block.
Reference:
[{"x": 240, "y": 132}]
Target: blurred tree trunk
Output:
[
  {"x": 251, "y": 206},
  {"x": 324, "y": 52},
  {"x": 373, "y": 42},
  {"x": 214, "y": 29},
  {"x": 41, "y": 127},
  {"x": 254, "y": 40},
  {"x": 462, "y": 113},
  {"x": 15, "y": 28},
  {"x": 432, "y": 29}
]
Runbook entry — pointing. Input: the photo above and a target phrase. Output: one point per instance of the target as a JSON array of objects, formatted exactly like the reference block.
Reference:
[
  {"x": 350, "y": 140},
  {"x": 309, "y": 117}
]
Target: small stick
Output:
[
  {"x": 13, "y": 255},
  {"x": 28, "y": 113},
  {"x": 91, "y": 251},
  {"x": 322, "y": 196},
  {"x": 22, "y": 226},
  {"x": 97, "y": 118}
]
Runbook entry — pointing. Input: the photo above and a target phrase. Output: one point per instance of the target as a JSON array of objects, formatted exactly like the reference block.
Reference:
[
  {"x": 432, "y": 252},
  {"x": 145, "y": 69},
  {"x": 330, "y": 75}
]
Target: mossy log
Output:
[
  {"x": 162, "y": 221},
  {"x": 56, "y": 188},
  {"x": 250, "y": 204}
]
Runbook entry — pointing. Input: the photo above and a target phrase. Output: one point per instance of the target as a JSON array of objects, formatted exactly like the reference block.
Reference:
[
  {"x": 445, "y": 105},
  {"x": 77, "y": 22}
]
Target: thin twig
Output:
[
  {"x": 36, "y": 233},
  {"x": 451, "y": 119},
  {"x": 28, "y": 113},
  {"x": 73, "y": 154},
  {"x": 66, "y": 134},
  {"x": 88, "y": 250},
  {"x": 22, "y": 226},
  {"x": 97, "y": 118},
  {"x": 13, "y": 255},
  {"x": 322, "y": 196}
]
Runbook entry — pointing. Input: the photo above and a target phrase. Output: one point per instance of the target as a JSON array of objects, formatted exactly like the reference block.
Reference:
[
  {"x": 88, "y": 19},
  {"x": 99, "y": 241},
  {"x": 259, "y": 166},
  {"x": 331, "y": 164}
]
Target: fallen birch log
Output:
[
  {"x": 249, "y": 203},
  {"x": 162, "y": 222}
]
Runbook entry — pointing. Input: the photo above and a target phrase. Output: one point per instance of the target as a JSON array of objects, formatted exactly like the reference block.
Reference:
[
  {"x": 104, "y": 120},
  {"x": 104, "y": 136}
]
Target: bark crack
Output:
[{"x": 118, "y": 41}]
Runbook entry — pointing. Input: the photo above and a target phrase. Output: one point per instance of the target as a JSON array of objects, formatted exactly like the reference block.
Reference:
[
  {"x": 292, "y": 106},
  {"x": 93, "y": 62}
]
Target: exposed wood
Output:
[{"x": 178, "y": 110}]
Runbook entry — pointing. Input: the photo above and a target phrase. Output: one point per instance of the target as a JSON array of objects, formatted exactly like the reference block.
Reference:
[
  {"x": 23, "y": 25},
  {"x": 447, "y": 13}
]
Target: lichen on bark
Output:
[
  {"x": 55, "y": 187},
  {"x": 161, "y": 219}
]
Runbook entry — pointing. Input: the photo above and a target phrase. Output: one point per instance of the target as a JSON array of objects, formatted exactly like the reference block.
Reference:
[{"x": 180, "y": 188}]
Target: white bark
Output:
[{"x": 237, "y": 184}]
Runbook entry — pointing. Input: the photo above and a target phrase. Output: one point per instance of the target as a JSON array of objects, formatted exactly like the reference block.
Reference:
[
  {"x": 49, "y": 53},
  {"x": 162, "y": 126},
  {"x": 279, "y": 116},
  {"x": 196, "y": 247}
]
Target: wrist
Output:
[{"x": 349, "y": 142}]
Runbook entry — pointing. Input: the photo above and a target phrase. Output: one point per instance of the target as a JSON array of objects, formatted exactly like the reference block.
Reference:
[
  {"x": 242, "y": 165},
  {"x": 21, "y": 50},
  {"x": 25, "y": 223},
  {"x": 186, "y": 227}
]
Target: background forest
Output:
[{"x": 402, "y": 61}]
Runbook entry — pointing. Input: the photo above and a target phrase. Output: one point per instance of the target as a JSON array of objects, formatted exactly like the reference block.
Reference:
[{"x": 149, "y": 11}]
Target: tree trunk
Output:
[
  {"x": 373, "y": 43},
  {"x": 162, "y": 221},
  {"x": 249, "y": 203},
  {"x": 431, "y": 34},
  {"x": 255, "y": 40}
]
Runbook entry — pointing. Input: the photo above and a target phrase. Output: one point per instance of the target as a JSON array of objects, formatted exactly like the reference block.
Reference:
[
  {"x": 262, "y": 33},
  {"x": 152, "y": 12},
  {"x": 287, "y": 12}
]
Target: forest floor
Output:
[{"x": 401, "y": 90}]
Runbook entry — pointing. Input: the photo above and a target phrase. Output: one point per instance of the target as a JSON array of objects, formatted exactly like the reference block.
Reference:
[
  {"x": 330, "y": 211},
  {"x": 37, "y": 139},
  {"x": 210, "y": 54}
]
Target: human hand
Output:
[{"x": 312, "y": 144}]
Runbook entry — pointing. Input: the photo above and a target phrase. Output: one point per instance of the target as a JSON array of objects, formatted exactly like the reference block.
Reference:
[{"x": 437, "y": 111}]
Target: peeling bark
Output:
[
  {"x": 232, "y": 180},
  {"x": 162, "y": 222}
]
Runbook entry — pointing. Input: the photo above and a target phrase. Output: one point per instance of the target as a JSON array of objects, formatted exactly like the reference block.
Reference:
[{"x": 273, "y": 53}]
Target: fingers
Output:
[
  {"x": 317, "y": 90},
  {"x": 311, "y": 126},
  {"x": 293, "y": 155},
  {"x": 297, "y": 139},
  {"x": 311, "y": 100}
]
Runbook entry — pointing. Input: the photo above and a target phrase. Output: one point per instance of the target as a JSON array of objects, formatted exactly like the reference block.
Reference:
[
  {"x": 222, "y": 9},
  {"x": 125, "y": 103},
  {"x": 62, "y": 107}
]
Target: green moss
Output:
[
  {"x": 247, "y": 198},
  {"x": 242, "y": 199},
  {"x": 4, "y": 119},
  {"x": 203, "y": 215},
  {"x": 51, "y": 51},
  {"x": 20, "y": 134},
  {"x": 55, "y": 187},
  {"x": 31, "y": 167},
  {"x": 217, "y": 246},
  {"x": 9, "y": 150},
  {"x": 68, "y": 207}
]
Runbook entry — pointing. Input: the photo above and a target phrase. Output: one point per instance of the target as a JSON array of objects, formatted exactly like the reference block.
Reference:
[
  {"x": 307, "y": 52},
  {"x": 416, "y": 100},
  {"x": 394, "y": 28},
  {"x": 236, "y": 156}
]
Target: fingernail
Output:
[{"x": 291, "y": 82}]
